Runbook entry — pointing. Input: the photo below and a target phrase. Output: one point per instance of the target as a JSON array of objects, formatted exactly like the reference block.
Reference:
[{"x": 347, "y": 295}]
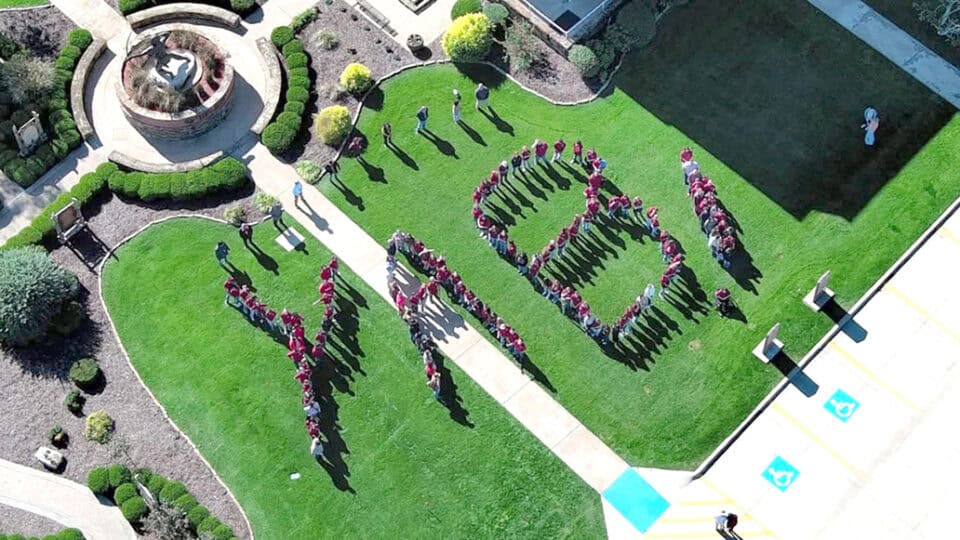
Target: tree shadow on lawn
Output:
[{"x": 776, "y": 90}]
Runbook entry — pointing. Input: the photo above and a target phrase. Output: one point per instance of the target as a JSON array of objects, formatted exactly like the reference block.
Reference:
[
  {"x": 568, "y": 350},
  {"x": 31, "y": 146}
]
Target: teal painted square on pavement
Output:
[
  {"x": 842, "y": 405},
  {"x": 636, "y": 500}
]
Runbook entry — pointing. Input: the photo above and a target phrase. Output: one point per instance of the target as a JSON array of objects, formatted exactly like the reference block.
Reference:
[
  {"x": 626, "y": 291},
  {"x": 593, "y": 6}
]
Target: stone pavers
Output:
[
  {"x": 64, "y": 501},
  {"x": 898, "y": 46}
]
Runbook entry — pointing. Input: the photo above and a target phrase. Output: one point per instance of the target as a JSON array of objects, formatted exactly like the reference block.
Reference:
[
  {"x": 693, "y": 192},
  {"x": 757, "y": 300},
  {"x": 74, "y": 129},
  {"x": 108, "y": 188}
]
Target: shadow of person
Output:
[
  {"x": 352, "y": 198},
  {"x": 477, "y": 138},
  {"x": 266, "y": 261},
  {"x": 500, "y": 123},
  {"x": 404, "y": 157},
  {"x": 374, "y": 173},
  {"x": 442, "y": 145},
  {"x": 448, "y": 393}
]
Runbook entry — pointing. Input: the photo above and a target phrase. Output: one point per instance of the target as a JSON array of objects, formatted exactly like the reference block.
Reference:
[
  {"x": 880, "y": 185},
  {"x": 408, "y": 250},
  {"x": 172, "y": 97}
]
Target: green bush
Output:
[
  {"x": 8, "y": 47},
  {"x": 32, "y": 291},
  {"x": 295, "y": 107},
  {"x": 124, "y": 492},
  {"x": 356, "y": 78},
  {"x": 70, "y": 534},
  {"x": 585, "y": 60},
  {"x": 134, "y": 509},
  {"x": 208, "y": 525},
  {"x": 301, "y": 72},
  {"x": 308, "y": 171},
  {"x": 197, "y": 515},
  {"x": 129, "y": 6},
  {"x": 80, "y": 38},
  {"x": 185, "y": 503},
  {"x": 243, "y": 7},
  {"x": 297, "y": 60},
  {"x": 281, "y": 35},
  {"x": 87, "y": 188},
  {"x": 297, "y": 94},
  {"x": 222, "y": 532},
  {"x": 635, "y": 26},
  {"x": 605, "y": 52},
  {"x": 143, "y": 475},
  {"x": 327, "y": 40},
  {"x": 278, "y": 137},
  {"x": 172, "y": 491},
  {"x": 28, "y": 236},
  {"x": 235, "y": 215},
  {"x": 72, "y": 138},
  {"x": 463, "y": 7},
  {"x": 74, "y": 401},
  {"x": 333, "y": 124},
  {"x": 69, "y": 319},
  {"x": 45, "y": 154},
  {"x": 290, "y": 120},
  {"x": 119, "y": 474},
  {"x": 155, "y": 484},
  {"x": 64, "y": 126},
  {"x": 294, "y": 46},
  {"x": 263, "y": 202},
  {"x": 6, "y": 156},
  {"x": 468, "y": 39},
  {"x": 497, "y": 13},
  {"x": 98, "y": 480},
  {"x": 303, "y": 19},
  {"x": 71, "y": 52},
  {"x": 84, "y": 372},
  {"x": 98, "y": 428},
  {"x": 60, "y": 148},
  {"x": 521, "y": 46},
  {"x": 227, "y": 173},
  {"x": 65, "y": 63}
]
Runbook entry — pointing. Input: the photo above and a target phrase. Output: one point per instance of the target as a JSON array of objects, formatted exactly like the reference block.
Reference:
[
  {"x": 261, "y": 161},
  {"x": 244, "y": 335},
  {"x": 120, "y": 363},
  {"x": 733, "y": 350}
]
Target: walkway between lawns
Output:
[
  {"x": 66, "y": 502},
  {"x": 638, "y": 503},
  {"x": 898, "y": 46}
]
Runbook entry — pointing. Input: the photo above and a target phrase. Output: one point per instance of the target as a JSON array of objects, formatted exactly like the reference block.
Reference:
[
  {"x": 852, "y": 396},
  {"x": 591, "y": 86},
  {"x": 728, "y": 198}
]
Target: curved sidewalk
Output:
[{"x": 61, "y": 500}]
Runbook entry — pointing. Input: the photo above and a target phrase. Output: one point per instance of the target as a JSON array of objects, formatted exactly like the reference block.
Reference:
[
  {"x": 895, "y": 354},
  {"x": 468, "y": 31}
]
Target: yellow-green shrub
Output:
[
  {"x": 356, "y": 78},
  {"x": 468, "y": 38},
  {"x": 333, "y": 124}
]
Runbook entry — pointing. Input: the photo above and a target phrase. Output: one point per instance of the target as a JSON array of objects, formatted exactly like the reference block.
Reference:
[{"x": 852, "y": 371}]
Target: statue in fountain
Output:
[{"x": 173, "y": 69}]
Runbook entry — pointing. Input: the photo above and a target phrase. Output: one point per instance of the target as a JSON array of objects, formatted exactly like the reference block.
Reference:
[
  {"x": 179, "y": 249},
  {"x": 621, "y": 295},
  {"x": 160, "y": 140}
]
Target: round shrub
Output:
[
  {"x": 155, "y": 484},
  {"x": 308, "y": 171},
  {"x": 278, "y": 137},
  {"x": 463, "y": 7},
  {"x": 333, "y": 124},
  {"x": 124, "y": 492},
  {"x": 290, "y": 120},
  {"x": 129, "y": 6},
  {"x": 71, "y": 52},
  {"x": 497, "y": 13},
  {"x": 585, "y": 60},
  {"x": 294, "y": 46},
  {"x": 98, "y": 480},
  {"x": 98, "y": 428},
  {"x": 356, "y": 78},
  {"x": 143, "y": 475},
  {"x": 134, "y": 509},
  {"x": 242, "y": 7},
  {"x": 208, "y": 525},
  {"x": 185, "y": 503},
  {"x": 222, "y": 532},
  {"x": 297, "y": 94},
  {"x": 80, "y": 38},
  {"x": 72, "y": 138},
  {"x": 281, "y": 35},
  {"x": 327, "y": 40},
  {"x": 196, "y": 516},
  {"x": 64, "y": 126},
  {"x": 74, "y": 401},
  {"x": 297, "y": 60},
  {"x": 84, "y": 372},
  {"x": 635, "y": 26},
  {"x": 172, "y": 491},
  {"x": 468, "y": 39},
  {"x": 299, "y": 82},
  {"x": 294, "y": 107},
  {"x": 70, "y": 534},
  {"x": 32, "y": 291},
  {"x": 65, "y": 63},
  {"x": 58, "y": 115},
  {"x": 59, "y": 147},
  {"x": 301, "y": 72},
  {"x": 263, "y": 202},
  {"x": 119, "y": 474},
  {"x": 605, "y": 52}
]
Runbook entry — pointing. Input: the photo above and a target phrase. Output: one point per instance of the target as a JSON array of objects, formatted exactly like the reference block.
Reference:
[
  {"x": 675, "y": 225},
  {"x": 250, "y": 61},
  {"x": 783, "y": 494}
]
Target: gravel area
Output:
[
  {"x": 13, "y": 521},
  {"x": 42, "y": 30},
  {"x": 37, "y": 377}
]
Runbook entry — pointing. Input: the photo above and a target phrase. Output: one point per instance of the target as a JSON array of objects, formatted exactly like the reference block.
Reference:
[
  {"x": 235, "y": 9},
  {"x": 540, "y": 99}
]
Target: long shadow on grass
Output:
[{"x": 776, "y": 90}]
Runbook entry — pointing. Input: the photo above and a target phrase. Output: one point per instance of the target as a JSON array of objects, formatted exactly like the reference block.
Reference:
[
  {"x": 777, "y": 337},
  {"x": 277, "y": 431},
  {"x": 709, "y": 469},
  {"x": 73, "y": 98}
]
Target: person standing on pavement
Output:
[{"x": 297, "y": 193}]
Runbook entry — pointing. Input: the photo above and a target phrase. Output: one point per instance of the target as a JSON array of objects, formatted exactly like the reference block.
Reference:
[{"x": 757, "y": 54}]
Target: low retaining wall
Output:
[
  {"x": 138, "y": 165},
  {"x": 78, "y": 86},
  {"x": 182, "y": 10},
  {"x": 273, "y": 74}
]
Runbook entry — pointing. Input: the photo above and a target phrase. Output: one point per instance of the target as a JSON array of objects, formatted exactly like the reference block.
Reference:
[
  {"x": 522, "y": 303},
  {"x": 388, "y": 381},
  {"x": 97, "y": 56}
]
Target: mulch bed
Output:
[
  {"x": 13, "y": 521},
  {"x": 43, "y": 29},
  {"x": 35, "y": 380},
  {"x": 361, "y": 41}
]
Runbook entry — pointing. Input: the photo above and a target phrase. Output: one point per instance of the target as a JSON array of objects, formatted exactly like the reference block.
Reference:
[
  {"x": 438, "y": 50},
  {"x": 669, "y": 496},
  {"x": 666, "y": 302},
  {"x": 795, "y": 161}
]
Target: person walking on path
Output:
[
  {"x": 297, "y": 193},
  {"x": 387, "y": 131},
  {"x": 276, "y": 214},
  {"x": 456, "y": 106},
  {"x": 246, "y": 234},
  {"x": 422, "y": 115},
  {"x": 333, "y": 167},
  {"x": 482, "y": 93},
  {"x": 222, "y": 251}
]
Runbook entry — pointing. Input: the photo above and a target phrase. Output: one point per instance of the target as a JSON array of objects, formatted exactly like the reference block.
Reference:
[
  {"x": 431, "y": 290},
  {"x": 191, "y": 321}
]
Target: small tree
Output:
[
  {"x": 521, "y": 46},
  {"x": 28, "y": 79},
  {"x": 944, "y": 15},
  {"x": 32, "y": 291},
  {"x": 168, "y": 522}
]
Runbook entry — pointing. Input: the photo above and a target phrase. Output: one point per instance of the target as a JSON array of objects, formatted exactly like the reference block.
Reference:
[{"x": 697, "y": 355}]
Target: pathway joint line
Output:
[
  {"x": 846, "y": 355},
  {"x": 819, "y": 442},
  {"x": 923, "y": 312}
]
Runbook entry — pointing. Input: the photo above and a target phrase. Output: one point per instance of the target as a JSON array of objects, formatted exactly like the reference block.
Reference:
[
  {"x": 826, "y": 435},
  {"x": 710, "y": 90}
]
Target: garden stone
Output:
[{"x": 30, "y": 135}]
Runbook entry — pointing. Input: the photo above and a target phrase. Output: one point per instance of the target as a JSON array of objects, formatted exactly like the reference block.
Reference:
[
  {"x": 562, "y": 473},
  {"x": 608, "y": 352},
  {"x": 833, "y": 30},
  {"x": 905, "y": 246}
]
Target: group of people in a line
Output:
[
  {"x": 714, "y": 221},
  {"x": 290, "y": 325}
]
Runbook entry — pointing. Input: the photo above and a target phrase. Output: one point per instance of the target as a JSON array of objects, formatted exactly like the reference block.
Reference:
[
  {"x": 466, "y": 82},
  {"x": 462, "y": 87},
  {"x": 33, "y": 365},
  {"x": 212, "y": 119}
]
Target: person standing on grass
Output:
[
  {"x": 482, "y": 93},
  {"x": 525, "y": 158},
  {"x": 558, "y": 148},
  {"x": 297, "y": 193},
  {"x": 246, "y": 233},
  {"x": 540, "y": 152},
  {"x": 577, "y": 153},
  {"x": 422, "y": 114},
  {"x": 503, "y": 169},
  {"x": 222, "y": 251},
  {"x": 434, "y": 385},
  {"x": 688, "y": 165},
  {"x": 517, "y": 162},
  {"x": 333, "y": 167},
  {"x": 456, "y": 106},
  {"x": 387, "y": 131}
]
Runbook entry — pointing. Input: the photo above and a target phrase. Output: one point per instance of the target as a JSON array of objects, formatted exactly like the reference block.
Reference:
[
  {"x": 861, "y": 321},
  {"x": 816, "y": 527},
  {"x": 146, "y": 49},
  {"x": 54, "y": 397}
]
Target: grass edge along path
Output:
[
  {"x": 409, "y": 469},
  {"x": 674, "y": 407}
]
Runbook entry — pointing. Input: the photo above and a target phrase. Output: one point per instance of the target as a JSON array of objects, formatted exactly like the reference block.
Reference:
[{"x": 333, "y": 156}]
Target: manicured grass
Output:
[
  {"x": 404, "y": 468},
  {"x": 21, "y": 3},
  {"x": 805, "y": 191}
]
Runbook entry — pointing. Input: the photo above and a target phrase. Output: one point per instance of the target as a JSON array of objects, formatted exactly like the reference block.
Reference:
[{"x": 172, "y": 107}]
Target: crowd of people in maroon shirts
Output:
[
  {"x": 714, "y": 221},
  {"x": 290, "y": 324},
  {"x": 434, "y": 265}
]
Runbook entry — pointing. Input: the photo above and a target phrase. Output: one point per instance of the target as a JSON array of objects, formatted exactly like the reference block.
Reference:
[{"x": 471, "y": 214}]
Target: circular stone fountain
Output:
[{"x": 175, "y": 84}]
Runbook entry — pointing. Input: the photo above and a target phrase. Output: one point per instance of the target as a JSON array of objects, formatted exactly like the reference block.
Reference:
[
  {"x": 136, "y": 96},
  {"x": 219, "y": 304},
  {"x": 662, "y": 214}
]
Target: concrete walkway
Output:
[
  {"x": 99, "y": 18},
  {"x": 898, "y": 46},
  {"x": 61, "y": 500}
]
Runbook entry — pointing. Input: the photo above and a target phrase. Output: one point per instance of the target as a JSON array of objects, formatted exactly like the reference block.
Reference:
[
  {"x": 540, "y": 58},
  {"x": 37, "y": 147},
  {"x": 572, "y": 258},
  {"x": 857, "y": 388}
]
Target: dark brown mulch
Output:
[
  {"x": 551, "y": 75},
  {"x": 43, "y": 30},
  {"x": 35, "y": 383}
]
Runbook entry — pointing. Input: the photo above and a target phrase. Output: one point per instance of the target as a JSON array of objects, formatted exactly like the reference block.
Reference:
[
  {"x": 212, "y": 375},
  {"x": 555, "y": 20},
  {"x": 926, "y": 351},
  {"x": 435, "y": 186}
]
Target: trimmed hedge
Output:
[
  {"x": 134, "y": 509},
  {"x": 155, "y": 484},
  {"x": 172, "y": 491},
  {"x": 297, "y": 60},
  {"x": 98, "y": 480},
  {"x": 279, "y": 135},
  {"x": 226, "y": 174},
  {"x": 303, "y": 19},
  {"x": 241, "y": 7},
  {"x": 80, "y": 38},
  {"x": 585, "y": 60},
  {"x": 281, "y": 35},
  {"x": 65, "y": 534},
  {"x": 185, "y": 503},
  {"x": 196, "y": 516},
  {"x": 119, "y": 474},
  {"x": 294, "y": 46},
  {"x": 125, "y": 492}
]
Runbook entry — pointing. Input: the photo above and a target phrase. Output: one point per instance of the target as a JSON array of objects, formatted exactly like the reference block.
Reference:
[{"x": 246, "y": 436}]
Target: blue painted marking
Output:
[
  {"x": 781, "y": 474},
  {"x": 637, "y": 500},
  {"x": 842, "y": 405}
]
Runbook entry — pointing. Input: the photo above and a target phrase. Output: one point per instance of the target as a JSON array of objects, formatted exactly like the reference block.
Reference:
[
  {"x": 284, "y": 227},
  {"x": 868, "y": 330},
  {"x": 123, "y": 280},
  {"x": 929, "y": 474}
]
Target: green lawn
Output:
[
  {"x": 21, "y": 3},
  {"x": 402, "y": 467},
  {"x": 779, "y": 136}
]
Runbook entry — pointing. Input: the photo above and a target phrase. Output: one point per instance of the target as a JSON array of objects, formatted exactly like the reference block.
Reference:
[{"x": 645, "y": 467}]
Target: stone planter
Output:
[{"x": 415, "y": 42}]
